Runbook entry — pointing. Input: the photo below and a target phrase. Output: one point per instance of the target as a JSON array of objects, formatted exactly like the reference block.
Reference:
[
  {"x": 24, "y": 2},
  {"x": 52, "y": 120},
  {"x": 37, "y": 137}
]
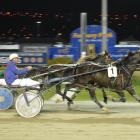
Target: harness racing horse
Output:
[
  {"x": 105, "y": 59},
  {"x": 90, "y": 74}
]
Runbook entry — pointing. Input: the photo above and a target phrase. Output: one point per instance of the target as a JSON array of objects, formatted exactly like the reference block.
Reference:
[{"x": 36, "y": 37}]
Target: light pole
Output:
[
  {"x": 83, "y": 31},
  {"x": 38, "y": 24},
  {"x": 104, "y": 12}
]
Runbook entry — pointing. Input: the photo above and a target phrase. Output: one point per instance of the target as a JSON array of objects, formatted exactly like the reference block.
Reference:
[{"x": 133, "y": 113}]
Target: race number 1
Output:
[{"x": 112, "y": 71}]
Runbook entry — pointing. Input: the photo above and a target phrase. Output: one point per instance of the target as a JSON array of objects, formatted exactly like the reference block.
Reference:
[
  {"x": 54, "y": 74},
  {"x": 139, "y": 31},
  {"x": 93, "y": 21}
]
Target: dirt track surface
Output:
[{"x": 84, "y": 121}]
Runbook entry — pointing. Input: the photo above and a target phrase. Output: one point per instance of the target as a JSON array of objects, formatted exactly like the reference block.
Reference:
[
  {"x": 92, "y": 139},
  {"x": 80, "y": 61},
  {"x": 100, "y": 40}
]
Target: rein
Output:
[{"x": 65, "y": 68}]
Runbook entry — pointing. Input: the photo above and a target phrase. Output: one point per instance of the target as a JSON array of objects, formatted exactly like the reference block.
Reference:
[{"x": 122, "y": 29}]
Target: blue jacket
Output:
[{"x": 11, "y": 73}]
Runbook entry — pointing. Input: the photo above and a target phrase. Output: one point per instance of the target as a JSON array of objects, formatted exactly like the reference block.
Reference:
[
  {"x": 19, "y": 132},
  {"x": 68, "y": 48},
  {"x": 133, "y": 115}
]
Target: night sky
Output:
[
  {"x": 70, "y": 10},
  {"x": 71, "y": 5}
]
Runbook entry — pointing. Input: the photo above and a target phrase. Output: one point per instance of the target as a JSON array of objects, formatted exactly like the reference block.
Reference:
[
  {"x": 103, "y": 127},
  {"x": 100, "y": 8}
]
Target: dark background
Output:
[{"x": 59, "y": 17}]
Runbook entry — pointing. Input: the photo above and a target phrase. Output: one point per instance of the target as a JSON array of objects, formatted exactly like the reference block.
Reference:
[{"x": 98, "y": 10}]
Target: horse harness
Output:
[{"x": 122, "y": 68}]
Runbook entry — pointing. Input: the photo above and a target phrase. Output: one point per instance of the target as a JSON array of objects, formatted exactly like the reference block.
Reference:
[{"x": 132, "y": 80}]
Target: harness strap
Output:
[{"x": 129, "y": 76}]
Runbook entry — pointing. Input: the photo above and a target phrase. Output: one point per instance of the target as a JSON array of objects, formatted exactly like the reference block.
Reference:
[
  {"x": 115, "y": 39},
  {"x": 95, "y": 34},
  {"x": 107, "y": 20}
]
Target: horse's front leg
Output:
[
  {"x": 92, "y": 94},
  {"x": 104, "y": 96},
  {"x": 132, "y": 92}
]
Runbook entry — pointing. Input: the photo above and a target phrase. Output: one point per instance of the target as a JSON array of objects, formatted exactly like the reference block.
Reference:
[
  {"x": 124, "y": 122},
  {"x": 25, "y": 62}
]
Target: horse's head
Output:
[
  {"x": 103, "y": 58},
  {"x": 132, "y": 58},
  {"x": 106, "y": 58}
]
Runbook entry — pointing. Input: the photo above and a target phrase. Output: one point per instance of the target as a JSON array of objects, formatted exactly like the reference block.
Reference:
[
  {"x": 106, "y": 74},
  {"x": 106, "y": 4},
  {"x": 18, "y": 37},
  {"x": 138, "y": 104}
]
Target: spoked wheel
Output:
[
  {"x": 31, "y": 109},
  {"x": 6, "y": 99},
  {"x": 38, "y": 95}
]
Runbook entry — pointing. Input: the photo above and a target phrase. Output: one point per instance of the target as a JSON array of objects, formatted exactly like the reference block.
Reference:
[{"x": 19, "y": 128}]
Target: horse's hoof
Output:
[{"x": 105, "y": 109}]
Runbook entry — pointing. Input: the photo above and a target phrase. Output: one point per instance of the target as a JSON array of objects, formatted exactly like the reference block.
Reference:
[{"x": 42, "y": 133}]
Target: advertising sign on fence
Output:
[
  {"x": 93, "y": 37},
  {"x": 71, "y": 52},
  {"x": 26, "y": 58}
]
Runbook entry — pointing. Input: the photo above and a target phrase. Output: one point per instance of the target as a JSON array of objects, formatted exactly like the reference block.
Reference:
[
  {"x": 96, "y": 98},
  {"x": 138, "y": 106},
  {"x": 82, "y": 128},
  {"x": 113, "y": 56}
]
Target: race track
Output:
[{"x": 84, "y": 121}]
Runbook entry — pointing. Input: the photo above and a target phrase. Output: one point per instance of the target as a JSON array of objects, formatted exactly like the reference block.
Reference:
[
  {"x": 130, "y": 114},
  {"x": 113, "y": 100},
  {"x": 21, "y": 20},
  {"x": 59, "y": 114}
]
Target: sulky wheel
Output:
[
  {"x": 31, "y": 109},
  {"x": 37, "y": 94},
  {"x": 6, "y": 99}
]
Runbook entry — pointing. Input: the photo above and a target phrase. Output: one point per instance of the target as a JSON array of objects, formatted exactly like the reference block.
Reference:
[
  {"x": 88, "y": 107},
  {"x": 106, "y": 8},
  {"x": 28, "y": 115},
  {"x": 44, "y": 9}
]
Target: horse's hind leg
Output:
[
  {"x": 122, "y": 97},
  {"x": 132, "y": 92},
  {"x": 93, "y": 97},
  {"x": 69, "y": 99},
  {"x": 58, "y": 91},
  {"x": 75, "y": 93}
]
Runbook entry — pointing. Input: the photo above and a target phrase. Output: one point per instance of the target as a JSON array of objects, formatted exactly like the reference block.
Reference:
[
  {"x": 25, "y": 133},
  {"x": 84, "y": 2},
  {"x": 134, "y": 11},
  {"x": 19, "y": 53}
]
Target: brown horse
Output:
[
  {"x": 105, "y": 59},
  {"x": 91, "y": 74}
]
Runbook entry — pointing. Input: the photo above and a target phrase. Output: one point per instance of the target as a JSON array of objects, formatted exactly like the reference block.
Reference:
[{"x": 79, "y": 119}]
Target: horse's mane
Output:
[
  {"x": 97, "y": 57},
  {"x": 94, "y": 58}
]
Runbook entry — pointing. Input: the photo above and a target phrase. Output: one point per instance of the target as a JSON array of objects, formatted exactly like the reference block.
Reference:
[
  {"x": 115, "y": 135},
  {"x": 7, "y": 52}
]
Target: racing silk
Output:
[{"x": 12, "y": 72}]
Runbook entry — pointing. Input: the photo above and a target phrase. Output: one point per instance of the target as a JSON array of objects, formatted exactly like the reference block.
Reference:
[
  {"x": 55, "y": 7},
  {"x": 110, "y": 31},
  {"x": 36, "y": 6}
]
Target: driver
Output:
[{"x": 12, "y": 73}]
